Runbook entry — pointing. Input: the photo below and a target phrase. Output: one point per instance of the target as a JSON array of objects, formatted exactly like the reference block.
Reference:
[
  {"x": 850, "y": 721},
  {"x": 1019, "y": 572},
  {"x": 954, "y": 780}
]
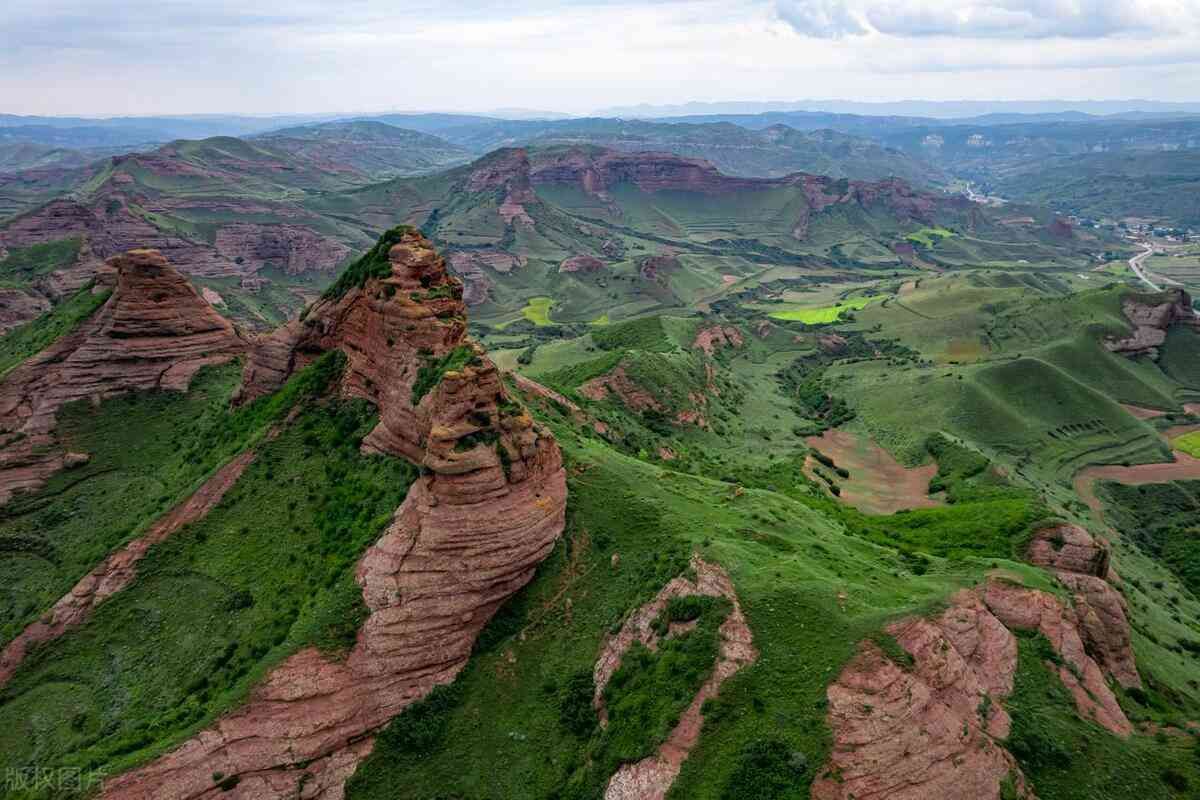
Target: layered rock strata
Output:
[
  {"x": 935, "y": 727},
  {"x": 487, "y": 509},
  {"x": 117, "y": 571},
  {"x": 154, "y": 332}
]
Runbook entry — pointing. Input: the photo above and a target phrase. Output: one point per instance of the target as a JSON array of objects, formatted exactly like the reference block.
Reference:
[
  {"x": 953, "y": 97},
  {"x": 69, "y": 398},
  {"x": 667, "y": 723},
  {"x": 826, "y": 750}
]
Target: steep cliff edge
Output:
[
  {"x": 154, "y": 332},
  {"x": 470, "y": 533}
]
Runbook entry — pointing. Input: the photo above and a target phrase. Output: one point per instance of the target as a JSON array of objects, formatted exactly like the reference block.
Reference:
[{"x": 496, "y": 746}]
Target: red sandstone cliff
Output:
[
  {"x": 472, "y": 530},
  {"x": 154, "y": 332}
]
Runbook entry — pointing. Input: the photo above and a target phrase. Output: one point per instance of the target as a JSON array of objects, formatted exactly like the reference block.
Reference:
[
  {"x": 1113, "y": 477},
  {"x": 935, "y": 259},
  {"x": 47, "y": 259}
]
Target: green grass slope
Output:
[{"x": 267, "y": 572}]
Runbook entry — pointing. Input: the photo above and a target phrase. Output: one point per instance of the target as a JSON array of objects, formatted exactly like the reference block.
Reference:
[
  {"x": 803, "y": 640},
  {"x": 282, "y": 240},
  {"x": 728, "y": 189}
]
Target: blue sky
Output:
[{"x": 180, "y": 56}]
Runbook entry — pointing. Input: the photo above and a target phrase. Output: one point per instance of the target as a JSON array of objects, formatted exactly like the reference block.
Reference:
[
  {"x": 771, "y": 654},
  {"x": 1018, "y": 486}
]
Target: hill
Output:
[
  {"x": 1160, "y": 186},
  {"x": 612, "y": 234},
  {"x": 709, "y": 553},
  {"x": 371, "y": 149},
  {"x": 266, "y": 223},
  {"x": 771, "y": 152}
]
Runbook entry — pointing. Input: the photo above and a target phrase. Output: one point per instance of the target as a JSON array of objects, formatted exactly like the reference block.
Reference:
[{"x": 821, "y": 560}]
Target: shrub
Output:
[
  {"x": 766, "y": 769},
  {"x": 432, "y": 370},
  {"x": 575, "y": 710}
]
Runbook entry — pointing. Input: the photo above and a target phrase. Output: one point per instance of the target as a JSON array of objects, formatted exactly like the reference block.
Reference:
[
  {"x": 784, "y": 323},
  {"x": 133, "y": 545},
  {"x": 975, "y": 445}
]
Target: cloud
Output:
[
  {"x": 990, "y": 19},
  {"x": 824, "y": 19}
]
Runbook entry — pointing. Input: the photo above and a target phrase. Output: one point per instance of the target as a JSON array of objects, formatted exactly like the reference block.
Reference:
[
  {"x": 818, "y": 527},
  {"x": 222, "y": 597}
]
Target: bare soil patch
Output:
[
  {"x": 878, "y": 483},
  {"x": 1184, "y": 467}
]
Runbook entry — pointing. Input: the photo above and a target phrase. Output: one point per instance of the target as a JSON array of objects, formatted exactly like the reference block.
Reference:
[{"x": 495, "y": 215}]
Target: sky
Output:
[{"x": 138, "y": 57}]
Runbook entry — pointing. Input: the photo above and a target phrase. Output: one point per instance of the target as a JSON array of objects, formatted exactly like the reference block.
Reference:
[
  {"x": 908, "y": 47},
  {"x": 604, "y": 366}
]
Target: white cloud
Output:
[
  {"x": 825, "y": 19},
  {"x": 177, "y": 56},
  {"x": 986, "y": 19}
]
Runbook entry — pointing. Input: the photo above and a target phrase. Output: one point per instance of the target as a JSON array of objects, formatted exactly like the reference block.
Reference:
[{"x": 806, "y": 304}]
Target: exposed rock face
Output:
[
  {"x": 506, "y": 171},
  {"x": 291, "y": 248},
  {"x": 717, "y": 337},
  {"x": 581, "y": 264},
  {"x": 597, "y": 171},
  {"x": 118, "y": 570},
  {"x": 1151, "y": 320},
  {"x": 618, "y": 383},
  {"x": 110, "y": 233},
  {"x": 470, "y": 533},
  {"x": 473, "y": 266},
  {"x": 154, "y": 332},
  {"x": 832, "y": 343},
  {"x": 927, "y": 731},
  {"x": 1083, "y": 565},
  {"x": 1029, "y": 609},
  {"x": 18, "y": 307},
  {"x": 1068, "y": 548},
  {"x": 651, "y": 778}
]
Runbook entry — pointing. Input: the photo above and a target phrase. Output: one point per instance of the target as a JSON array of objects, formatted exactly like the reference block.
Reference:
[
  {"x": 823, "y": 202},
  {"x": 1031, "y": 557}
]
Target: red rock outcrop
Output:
[
  {"x": 117, "y": 571},
  {"x": 291, "y": 248},
  {"x": 581, "y": 264},
  {"x": 930, "y": 730},
  {"x": 1151, "y": 317},
  {"x": 1068, "y": 548},
  {"x": 154, "y": 332},
  {"x": 935, "y": 728},
  {"x": 1029, "y": 609},
  {"x": 473, "y": 528},
  {"x": 717, "y": 337},
  {"x": 1083, "y": 565},
  {"x": 506, "y": 171},
  {"x": 618, "y": 383},
  {"x": 18, "y": 306},
  {"x": 651, "y": 778},
  {"x": 111, "y": 232}
]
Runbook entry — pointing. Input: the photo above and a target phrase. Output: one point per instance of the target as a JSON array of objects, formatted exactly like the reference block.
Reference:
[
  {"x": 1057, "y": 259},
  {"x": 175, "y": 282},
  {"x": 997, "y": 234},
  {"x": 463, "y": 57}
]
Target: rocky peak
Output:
[
  {"x": 504, "y": 167},
  {"x": 154, "y": 332},
  {"x": 152, "y": 299},
  {"x": 487, "y": 509}
]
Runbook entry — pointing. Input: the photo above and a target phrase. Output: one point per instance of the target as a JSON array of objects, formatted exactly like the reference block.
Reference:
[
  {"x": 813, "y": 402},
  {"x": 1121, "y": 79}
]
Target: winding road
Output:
[{"x": 1135, "y": 264}]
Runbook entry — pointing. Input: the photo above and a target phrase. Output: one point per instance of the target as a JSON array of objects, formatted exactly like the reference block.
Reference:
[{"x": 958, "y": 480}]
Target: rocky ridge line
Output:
[
  {"x": 117, "y": 571},
  {"x": 652, "y": 777},
  {"x": 473, "y": 528}
]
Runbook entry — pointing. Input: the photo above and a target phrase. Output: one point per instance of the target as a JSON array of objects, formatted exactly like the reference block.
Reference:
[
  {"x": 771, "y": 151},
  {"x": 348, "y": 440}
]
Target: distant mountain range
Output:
[
  {"x": 845, "y": 116},
  {"x": 945, "y": 109}
]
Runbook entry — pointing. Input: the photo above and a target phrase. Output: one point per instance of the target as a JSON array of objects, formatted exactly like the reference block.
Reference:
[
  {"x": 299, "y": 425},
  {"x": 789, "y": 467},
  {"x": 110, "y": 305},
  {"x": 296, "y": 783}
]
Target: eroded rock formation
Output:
[
  {"x": 291, "y": 248},
  {"x": 935, "y": 727},
  {"x": 154, "y": 332},
  {"x": 1151, "y": 317},
  {"x": 583, "y": 264},
  {"x": 1083, "y": 565},
  {"x": 651, "y": 778},
  {"x": 716, "y": 337},
  {"x": 929, "y": 730},
  {"x": 487, "y": 509}
]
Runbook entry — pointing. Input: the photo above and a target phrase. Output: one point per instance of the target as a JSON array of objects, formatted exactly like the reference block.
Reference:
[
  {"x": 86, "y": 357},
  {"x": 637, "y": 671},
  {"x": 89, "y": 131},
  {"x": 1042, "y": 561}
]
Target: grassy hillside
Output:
[
  {"x": 267, "y": 572},
  {"x": 1160, "y": 186}
]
